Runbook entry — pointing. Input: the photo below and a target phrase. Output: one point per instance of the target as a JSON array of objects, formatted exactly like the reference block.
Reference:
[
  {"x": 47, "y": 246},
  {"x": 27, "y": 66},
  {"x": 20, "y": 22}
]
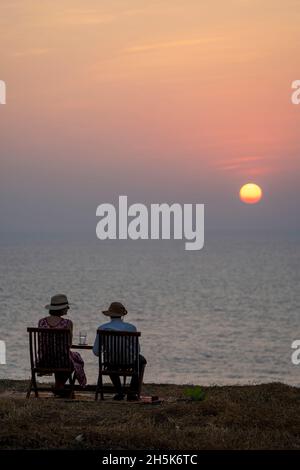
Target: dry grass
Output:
[{"x": 238, "y": 417}]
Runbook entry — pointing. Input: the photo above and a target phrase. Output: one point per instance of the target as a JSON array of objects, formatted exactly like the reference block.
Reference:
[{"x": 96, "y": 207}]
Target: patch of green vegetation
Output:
[{"x": 195, "y": 393}]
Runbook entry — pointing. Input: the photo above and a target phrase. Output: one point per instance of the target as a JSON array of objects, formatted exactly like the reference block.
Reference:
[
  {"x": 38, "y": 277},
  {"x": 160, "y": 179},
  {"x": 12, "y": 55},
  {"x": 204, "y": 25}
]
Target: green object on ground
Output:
[{"x": 195, "y": 393}]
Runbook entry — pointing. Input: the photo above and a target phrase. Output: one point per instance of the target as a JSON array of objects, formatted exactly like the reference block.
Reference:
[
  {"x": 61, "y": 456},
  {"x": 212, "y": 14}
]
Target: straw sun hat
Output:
[
  {"x": 115, "y": 310},
  {"x": 58, "y": 302}
]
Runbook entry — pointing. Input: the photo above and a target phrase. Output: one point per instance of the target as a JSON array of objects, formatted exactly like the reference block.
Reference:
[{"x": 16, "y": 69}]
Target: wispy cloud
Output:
[
  {"x": 240, "y": 163},
  {"x": 32, "y": 52},
  {"x": 170, "y": 44}
]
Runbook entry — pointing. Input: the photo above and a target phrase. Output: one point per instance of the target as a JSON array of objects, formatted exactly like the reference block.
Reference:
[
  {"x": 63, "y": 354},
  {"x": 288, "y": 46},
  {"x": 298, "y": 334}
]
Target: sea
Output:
[{"x": 227, "y": 314}]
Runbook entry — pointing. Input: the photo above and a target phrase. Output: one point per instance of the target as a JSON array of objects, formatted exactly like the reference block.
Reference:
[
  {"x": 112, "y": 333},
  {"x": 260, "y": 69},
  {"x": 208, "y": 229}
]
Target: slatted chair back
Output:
[
  {"x": 49, "y": 349},
  {"x": 119, "y": 350},
  {"x": 118, "y": 355}
]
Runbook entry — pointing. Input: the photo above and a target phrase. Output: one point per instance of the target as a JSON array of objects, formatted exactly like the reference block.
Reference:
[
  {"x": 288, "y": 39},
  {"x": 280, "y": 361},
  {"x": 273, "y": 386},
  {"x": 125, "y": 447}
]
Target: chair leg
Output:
[
  {"x": 35, "y": 388},
  {"x": 99, "y": 388},
  {"x": 101, "y": 382},
  {"x": 72, "y": 383},
  {"x": 29, "y": 389}
]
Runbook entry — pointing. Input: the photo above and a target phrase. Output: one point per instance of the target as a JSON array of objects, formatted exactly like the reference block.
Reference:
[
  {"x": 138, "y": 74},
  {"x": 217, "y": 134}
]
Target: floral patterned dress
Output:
[{"x": 75, "y": 357}]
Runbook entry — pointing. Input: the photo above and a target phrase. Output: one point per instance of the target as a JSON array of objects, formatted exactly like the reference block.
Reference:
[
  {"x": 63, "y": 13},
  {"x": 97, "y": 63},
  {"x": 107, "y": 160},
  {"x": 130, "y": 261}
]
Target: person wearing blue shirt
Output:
[{"x": 116, "y": 312}]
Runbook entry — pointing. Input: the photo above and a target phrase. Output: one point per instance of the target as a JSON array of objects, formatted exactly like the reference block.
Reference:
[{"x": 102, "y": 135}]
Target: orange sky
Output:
[{"x": 180, "y": 100}]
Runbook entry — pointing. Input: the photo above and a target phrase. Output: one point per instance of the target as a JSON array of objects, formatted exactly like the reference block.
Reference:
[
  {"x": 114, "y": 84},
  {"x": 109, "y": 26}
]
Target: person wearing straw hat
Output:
[
  {"x": 58, "y": 308},
  {"x": 116, "y": 312}
]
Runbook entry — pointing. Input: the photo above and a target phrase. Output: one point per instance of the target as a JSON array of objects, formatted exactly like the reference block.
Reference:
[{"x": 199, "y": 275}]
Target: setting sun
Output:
[{"x": 250, "y": 193}]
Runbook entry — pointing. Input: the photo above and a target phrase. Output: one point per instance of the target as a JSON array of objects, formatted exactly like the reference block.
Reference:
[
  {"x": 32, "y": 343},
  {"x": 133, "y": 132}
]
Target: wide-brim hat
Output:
[
  {"x": 115, "y": 310},
  {"x": 58, "y": 302}
]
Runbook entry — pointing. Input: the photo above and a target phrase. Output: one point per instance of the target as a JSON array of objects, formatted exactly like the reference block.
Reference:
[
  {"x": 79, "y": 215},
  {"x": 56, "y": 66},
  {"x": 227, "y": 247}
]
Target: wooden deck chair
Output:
[
  {"x": 118, "y": 355},
  {"x": 49, "y": 351}
]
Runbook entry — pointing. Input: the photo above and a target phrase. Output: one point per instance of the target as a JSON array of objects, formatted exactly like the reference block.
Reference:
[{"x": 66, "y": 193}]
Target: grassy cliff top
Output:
[{"x": 229, "y": 417}]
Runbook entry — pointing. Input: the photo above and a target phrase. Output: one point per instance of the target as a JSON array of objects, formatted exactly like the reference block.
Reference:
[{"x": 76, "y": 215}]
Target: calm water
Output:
[{"x": 226, "y": 314}]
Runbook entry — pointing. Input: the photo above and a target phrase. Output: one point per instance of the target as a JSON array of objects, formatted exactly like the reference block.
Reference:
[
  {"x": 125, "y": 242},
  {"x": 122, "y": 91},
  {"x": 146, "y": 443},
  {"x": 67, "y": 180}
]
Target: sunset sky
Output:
[{"x": 164, "y": 101}]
